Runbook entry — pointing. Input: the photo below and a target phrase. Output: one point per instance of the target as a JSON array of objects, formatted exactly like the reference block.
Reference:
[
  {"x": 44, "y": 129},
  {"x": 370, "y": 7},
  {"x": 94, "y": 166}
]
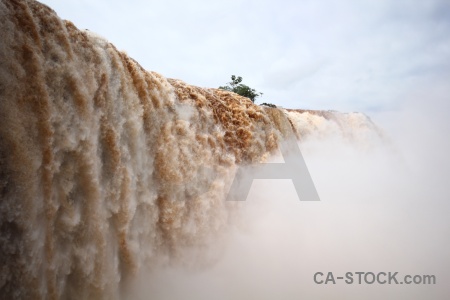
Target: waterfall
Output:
[{"x": 107, "y": 169}]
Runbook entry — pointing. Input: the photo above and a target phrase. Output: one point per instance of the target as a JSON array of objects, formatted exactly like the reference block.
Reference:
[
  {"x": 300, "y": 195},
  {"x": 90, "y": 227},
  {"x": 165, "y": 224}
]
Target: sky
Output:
[{"x": 349, "y": 55}]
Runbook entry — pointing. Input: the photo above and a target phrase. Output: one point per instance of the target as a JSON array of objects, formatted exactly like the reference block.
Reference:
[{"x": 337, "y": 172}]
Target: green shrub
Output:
[
  {"x": 269, "y": 105},
  {"x": 237, "y": 87}
]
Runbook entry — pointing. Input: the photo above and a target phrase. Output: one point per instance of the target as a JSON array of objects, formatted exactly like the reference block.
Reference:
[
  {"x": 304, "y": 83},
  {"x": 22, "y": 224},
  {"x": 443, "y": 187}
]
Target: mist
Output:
[
  {"x": 383, "y": 208},
  {"x": 113, "y": 182}
]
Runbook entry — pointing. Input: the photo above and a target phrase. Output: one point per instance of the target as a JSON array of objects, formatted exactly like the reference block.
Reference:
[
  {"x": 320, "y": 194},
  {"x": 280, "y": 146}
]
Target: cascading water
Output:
[{"x": 107, "y": 169}]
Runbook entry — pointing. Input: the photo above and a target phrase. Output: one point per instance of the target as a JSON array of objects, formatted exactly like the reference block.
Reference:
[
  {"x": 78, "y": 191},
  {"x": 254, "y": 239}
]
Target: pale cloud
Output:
[{"x": 344, "y": 55}]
